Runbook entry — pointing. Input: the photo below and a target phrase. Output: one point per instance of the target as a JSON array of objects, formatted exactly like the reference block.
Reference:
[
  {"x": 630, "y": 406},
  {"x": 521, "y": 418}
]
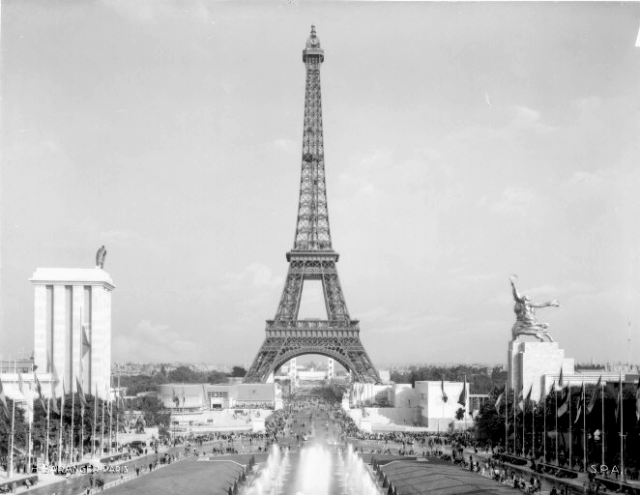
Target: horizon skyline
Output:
[{"x": 463, "y": 143}]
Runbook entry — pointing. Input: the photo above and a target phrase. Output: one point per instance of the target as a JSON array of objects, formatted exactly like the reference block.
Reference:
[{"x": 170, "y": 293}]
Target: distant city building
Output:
[
  {"x": 428, "y": 406},
  {"x": 236, "y": 406}
]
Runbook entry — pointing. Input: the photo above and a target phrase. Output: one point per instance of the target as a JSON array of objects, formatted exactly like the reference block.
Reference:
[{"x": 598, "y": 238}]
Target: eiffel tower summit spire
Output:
[
  {"x": 312, "y": 228},
  {"x": 312, "y": 258}
]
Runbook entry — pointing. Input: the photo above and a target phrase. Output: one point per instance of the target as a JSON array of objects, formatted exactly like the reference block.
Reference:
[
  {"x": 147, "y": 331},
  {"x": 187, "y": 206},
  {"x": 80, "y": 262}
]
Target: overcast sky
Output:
[{"x": 463, "y": 143}]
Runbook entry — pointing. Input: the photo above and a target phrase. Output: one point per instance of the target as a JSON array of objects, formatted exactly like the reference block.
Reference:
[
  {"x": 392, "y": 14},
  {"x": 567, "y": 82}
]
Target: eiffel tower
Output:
[{"x": 312, "y": 258}]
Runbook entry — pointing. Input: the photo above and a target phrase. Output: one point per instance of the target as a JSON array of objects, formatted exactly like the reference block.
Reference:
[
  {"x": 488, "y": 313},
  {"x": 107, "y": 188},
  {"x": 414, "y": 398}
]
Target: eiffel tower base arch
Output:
[{"x": 342, "y": 344}]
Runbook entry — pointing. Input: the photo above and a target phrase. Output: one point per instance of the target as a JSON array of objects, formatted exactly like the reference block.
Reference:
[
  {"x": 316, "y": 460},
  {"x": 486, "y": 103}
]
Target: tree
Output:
[
  {"x": 489, "y": 424},
  {"x": 238, "y": 372},
  {"x": 142, "y": 383},
  {"x": 184, "y": 374},
  {"x": 152, "y": 410},
  {"x": 398, "y": 377},
  {"x": 217, "y": 377}
]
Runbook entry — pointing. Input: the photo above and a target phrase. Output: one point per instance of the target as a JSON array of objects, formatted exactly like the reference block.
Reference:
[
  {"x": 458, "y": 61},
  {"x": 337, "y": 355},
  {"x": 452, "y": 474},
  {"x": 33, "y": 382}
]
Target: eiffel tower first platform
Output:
[{"x": 312, "y": 258}]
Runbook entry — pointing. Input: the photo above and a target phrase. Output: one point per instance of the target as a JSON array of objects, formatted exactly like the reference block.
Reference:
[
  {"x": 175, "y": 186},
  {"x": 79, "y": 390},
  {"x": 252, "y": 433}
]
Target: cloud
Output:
[
  {"x": 479, "y": 277},
  {"x": 255, "y": 275},
  {"x": 382, "y": 321},
  {"x": 148, "y": 11},
  {"x": 118, "y": 237},
  {"x": 527, "y": 119},
  {"x": 514, "y": 201},
  {"x": 284, "y": 144},
  {"x": 519, "y": 120},
  {"x": 525, "y": 115},
  {"x": 152, "y": 342},
  {"x": 594, "y": 181},
  {"x": 588, "y": 104},
  {"x": 373, "y": 314}
]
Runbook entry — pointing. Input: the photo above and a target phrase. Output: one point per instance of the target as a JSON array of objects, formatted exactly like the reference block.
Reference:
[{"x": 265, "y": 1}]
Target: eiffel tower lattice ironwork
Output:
[{"x": 312, "y": 258}]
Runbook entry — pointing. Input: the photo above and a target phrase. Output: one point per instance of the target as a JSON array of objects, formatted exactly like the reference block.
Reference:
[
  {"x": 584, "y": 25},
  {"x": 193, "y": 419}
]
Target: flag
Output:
[
  {"x": 3, "y": 401},
  {"x": 638, "y": 401},
  {"x": 108, "y": 398},
  {"x": 183, "y": 396},
  {"x": 462, "y": 400},
  {"x": 580, "y": 403},
  {"x": 561, "y": 380},
  {"x": 499, "y": 400},
  {"x": 54, "y": 399},
  {"x": 520, "y": 398},
  {"x": 444, "y": 394},
  {"x": 21, "y": 384},
  {"x": 86, "y": 345},
  {"x": 39, "y": 390},
  {"x": 28, "y": 400},
  {"x": 175, "y": 399},
  {"x": 527, "y": 401},
  {"x": 594, "y": 397},
  {"x": 564, "y": 407},
  {"x": 83, "y": 401}
]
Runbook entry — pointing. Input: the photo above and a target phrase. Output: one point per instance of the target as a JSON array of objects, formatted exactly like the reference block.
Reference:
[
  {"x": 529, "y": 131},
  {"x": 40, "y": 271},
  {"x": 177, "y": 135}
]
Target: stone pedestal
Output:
[{"x": 528, "y": 362}]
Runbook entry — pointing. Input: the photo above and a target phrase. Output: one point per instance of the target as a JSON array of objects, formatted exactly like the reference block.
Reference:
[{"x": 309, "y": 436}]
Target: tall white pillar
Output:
[{"x": 65, "y": 301}]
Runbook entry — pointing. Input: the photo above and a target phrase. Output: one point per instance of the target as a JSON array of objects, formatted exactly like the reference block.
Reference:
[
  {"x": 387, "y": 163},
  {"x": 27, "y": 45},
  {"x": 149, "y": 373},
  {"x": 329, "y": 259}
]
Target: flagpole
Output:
[
  {"x": 524, "y": 435},
  {"x": 110, "y": 427},
  {"x": 61, "y": 425},
  {"x": 584, "y": 427},
  {"x": 102, "y": 431},
  {"x": 603, "y": 434},
  {"x": 515, "y": 425},
  {"x": 117, "y": 413},
  {"x": 621, "y": 431},
  {"x": 533, "y": 431},
  {"x": 555, "y": 392},
  {"x": 95, "y": 419},
  {"x": 544, "y": 428},
  {"x": 81, "y": 385},
  {"x": 570, "y": 430},
  {"x": 73, "y": 413},
  {"x": 81, "y": 431},
  {"x": 13, "y": 419},
  {"x": 506, "y": 421},
  {"x": 29, "y": 418},
  {"x": 46, "y": 448}
]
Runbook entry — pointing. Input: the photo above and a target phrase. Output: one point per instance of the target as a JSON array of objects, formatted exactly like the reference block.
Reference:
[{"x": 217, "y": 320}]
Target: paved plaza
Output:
[
  {"x": 439, "y": 478},
  {"x": 193, "y": 477}
]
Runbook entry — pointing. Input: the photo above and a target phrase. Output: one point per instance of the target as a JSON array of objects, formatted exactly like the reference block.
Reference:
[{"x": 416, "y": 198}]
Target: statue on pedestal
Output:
[
  {"x": 526, "y": 321},
  {"x": 100, "y": 257}
]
